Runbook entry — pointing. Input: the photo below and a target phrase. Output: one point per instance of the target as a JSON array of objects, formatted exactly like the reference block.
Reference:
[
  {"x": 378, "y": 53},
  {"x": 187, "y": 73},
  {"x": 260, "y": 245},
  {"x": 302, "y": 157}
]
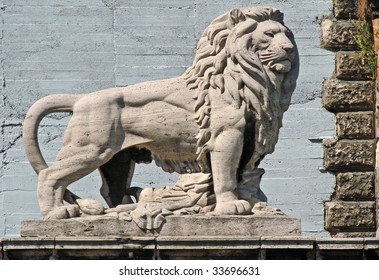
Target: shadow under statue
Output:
[{"x": 213, "y": 125}]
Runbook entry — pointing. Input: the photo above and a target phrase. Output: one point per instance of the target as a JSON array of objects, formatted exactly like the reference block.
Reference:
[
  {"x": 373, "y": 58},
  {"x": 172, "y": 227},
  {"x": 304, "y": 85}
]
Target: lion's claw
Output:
[
  {"x": 235, "y": 207},
  {"x": 62, "y": 212}
]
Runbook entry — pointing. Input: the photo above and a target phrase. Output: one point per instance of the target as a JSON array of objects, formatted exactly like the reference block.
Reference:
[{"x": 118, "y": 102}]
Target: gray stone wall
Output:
[
  {"x": 350, "y": 94},
  {"x": 74, "y": 46}
]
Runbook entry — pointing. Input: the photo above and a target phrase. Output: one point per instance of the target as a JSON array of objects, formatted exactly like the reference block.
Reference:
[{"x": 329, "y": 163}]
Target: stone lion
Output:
[{"x": 222, "y": 116}]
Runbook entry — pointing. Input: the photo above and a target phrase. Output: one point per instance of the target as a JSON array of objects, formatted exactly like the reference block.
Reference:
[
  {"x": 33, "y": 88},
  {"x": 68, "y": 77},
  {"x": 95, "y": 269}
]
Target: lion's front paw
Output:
[
  {"x": 235, "y": 207},
  {"x": 62, "y": 212}
]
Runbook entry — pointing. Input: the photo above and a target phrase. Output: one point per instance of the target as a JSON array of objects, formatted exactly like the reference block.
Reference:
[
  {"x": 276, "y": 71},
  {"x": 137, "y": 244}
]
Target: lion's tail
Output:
[{"x": 44, "y": 106}]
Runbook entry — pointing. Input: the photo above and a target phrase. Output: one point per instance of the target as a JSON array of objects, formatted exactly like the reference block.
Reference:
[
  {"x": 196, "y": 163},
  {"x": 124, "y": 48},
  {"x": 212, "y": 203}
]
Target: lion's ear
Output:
[{"x": 236, "y": 16}]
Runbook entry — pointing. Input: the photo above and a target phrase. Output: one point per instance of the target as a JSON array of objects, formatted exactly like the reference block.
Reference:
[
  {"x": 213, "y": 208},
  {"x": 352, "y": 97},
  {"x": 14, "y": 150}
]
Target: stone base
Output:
[
  {"x": 191, "y": 225},
  {"x": 189, "y": 248}
]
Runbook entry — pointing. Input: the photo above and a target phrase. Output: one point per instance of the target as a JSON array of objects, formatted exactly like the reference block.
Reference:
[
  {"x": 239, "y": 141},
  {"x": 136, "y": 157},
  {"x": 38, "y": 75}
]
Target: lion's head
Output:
[{"x": 250, "y": 55}]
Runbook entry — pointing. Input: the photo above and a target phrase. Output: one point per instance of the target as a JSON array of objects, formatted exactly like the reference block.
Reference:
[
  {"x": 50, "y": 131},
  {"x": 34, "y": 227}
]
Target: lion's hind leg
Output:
[
  {"x": 116, "y": 175},
  {"x": 72, "y": 163}
]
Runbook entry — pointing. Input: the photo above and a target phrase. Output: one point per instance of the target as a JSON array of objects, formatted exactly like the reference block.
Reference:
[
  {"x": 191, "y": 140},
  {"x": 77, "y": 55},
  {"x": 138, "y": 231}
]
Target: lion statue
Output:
[{"x": 222, "y": 116}]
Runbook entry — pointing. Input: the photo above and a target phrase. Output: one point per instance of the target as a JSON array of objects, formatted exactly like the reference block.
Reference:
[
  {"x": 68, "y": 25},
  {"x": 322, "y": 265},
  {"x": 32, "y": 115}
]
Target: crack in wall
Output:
[
  {"x": 15, "y": 190},
  {"x": 13, "y": 110},
  {"x": 10, "y": 144},
  {"x": 5, "y": 148},
  {"x": 50, "y": 138}
]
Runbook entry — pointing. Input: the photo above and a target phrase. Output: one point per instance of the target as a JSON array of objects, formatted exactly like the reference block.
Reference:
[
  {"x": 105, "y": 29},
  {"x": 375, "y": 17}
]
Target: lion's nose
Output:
[{"x": 287, "y": 47}]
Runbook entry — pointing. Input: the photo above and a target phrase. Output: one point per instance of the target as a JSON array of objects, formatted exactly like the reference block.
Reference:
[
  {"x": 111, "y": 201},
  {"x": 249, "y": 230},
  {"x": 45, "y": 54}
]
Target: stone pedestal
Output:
[{"x": 190, "y": 225}]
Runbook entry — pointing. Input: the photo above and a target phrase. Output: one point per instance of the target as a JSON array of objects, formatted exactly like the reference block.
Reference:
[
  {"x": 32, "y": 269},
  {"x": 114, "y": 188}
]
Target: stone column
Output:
[
  {"x": 350, "y": 95},
  {"x": 375, "y": 24}
]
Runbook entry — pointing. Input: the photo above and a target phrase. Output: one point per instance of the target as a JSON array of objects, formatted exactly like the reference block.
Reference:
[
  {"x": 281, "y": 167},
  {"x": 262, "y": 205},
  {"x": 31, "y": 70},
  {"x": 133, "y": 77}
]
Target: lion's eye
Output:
[{"x": 269, "y": 34}]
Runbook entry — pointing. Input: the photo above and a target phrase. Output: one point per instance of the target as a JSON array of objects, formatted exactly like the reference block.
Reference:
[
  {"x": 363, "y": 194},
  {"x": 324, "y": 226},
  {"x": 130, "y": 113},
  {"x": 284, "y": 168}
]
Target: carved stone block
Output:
[
  {"x": 349, "y": 154},
  {"x": 345, "y": 9},
  {"x": 190, "y": 225},
  {"x": 353, "y": 9},
  {"x": 339, "y": 215},
  {"x": 348, "y": 95},
  {"x": 349, "y": 66},
  {"x": 355, "y": 186},
  {"x": 355, "y": 125},
  {"x": 338, "y": 34}
]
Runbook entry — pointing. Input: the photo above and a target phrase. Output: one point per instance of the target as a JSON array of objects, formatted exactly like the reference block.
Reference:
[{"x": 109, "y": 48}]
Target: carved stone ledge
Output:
[
  {"x": 191, "y": 225},
  {"x": 372, "y": 244},
  {"x": 355, "y": 186},
  {"x": 349, "y": 66},
  {"x": 349, "y": 155},
  {"x": 338, "y": 34},
  {"x": 351, "y": 215},
  {"x": 32, "y": 247},
  {"x": 355, "y": 125},
  {"x": 369, "y": 233},
  {"x": 340, "y": 95},
  {"x": 197, "y": 243},
  {"x": 188, "y": 247},
  {"x": 339, "y": 243},
  {"x": 303, "y": 243},
  {"x": 97, "y": 243}
]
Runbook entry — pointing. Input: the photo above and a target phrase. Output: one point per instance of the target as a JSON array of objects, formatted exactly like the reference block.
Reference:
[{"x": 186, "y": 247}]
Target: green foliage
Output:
[{"x": 365, "y": 40}]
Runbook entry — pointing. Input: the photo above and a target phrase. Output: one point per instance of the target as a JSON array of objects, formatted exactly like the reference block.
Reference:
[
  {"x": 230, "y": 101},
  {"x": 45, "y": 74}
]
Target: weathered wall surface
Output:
[{"x": 67, "y": 46}]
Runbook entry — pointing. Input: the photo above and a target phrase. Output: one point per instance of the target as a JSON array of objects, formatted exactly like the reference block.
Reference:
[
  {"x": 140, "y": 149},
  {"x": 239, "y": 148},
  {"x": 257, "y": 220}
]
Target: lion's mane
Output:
[{"x": 226, "y": 61}]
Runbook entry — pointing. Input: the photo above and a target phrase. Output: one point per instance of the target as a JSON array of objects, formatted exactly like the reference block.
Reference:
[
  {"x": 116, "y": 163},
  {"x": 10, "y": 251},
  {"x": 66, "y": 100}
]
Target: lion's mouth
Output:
[
  {"x": 281, "y": 66},
  {"x": 278, "y": 61}
]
